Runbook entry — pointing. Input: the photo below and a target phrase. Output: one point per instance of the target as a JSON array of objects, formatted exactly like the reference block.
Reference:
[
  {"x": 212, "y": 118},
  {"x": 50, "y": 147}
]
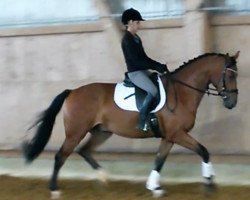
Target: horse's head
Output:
[{"x": 227, "y": 84}]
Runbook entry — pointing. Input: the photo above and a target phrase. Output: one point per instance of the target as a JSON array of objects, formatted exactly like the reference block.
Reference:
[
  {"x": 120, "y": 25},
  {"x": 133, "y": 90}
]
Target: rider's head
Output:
[
  {"x": 131, "y": 19},
  {"x": 131, "y": 14}
]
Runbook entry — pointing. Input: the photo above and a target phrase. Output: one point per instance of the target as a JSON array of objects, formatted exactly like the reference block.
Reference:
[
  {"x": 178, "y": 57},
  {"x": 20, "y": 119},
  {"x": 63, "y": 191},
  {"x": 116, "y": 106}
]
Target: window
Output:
[
  {"x": 44, "y": 12},
  {"x": 150, "y": 9},
  {"x": 233, "y": 7}
]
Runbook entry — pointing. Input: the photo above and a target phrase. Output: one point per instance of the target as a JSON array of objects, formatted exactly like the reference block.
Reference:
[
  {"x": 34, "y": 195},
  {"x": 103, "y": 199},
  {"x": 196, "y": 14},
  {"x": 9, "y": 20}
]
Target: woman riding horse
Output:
[
  {"x": 91, "y": 108},
  {"x": 138, "y": 63}
]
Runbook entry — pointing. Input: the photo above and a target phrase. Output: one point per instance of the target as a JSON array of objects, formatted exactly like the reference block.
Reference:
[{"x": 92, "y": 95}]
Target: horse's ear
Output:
[{"x": 236, "y": 55}]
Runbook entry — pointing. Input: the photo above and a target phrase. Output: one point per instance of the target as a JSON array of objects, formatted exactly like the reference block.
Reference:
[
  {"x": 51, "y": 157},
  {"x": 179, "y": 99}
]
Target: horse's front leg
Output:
[
  {"x": 185, "y": 140},
  {"x": 153, "y": 182},
  {"x": 206, "y": 168}
]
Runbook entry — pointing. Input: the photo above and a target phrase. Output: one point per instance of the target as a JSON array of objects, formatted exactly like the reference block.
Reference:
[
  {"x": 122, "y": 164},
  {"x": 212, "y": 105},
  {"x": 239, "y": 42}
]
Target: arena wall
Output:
[{"x": 38, "y": 63}]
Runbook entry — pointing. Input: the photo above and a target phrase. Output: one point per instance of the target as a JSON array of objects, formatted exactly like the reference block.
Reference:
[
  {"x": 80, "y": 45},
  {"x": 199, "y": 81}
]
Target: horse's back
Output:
[
  {"x": 89, "y": 99},
  {"x": 94, "y": 92},
  {"x": 95, "y": 89}
]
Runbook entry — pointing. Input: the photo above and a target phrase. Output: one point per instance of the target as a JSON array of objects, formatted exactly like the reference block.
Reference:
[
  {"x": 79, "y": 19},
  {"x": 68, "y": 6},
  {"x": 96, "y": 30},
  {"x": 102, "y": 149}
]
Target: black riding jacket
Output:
[{"x": 135, "y": 56}]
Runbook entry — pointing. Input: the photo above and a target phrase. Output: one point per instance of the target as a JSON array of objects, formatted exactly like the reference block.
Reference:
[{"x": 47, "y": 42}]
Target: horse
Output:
[{"x": 91, "y": 108}]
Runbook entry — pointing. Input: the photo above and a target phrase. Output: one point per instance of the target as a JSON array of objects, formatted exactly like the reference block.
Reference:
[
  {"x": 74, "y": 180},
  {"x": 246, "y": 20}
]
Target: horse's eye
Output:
[{"x": 232, "y": 75}]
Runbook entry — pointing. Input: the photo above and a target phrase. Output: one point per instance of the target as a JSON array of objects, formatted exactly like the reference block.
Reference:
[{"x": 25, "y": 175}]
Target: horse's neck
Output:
[
  {"x": 197, "y": 73},
  {"x": 195, "y": 76}
]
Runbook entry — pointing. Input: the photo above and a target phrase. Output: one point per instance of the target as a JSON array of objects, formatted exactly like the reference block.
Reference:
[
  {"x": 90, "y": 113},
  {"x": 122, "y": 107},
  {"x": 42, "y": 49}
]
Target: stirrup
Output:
[{"x": 145, "y": 128}]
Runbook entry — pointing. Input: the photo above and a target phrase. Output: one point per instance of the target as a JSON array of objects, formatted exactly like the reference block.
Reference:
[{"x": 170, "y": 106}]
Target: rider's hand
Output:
[
  {"x": 162, "y": 68},
  {"x": 166, "y": 69}
]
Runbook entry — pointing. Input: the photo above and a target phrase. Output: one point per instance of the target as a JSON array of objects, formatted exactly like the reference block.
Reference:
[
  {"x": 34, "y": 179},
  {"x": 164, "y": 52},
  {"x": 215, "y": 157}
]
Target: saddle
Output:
[
  {"x": 141, "y": 94},
  {"x": 129, "y": 97}
]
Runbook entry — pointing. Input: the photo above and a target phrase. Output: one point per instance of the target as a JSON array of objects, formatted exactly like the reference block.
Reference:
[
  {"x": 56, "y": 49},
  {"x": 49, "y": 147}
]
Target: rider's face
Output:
[{"x": 134, "y": 26}]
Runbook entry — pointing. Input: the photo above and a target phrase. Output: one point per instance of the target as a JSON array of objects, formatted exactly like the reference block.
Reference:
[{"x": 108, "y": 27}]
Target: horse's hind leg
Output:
[
  {"x": 187, "y": 141},
  {"x": 67, "y": 148},
  {"x": 97, "y": 138}
]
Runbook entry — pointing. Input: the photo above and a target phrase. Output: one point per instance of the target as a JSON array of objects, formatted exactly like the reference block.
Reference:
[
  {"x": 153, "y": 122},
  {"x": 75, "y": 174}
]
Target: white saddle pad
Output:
[{"x": 121, "y": 92}]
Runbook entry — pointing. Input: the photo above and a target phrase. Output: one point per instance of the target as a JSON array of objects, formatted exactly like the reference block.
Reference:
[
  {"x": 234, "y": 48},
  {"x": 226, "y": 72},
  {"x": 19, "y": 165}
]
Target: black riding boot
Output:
[{"x": 144, "y": 113}]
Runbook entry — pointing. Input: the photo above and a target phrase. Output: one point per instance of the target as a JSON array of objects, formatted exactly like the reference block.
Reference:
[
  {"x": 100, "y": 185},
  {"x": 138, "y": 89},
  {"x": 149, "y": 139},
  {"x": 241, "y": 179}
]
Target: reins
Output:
[
  {"x": 172, "y": 80},
  {"x": 207, "y": 91}
]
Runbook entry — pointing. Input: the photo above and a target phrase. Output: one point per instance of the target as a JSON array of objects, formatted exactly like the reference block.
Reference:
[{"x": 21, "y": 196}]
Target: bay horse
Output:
[{"x": 91, "y": 108}]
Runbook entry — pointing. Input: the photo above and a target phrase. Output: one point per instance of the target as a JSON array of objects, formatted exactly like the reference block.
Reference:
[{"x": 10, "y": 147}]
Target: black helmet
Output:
[{"x": 131, "y": 14}]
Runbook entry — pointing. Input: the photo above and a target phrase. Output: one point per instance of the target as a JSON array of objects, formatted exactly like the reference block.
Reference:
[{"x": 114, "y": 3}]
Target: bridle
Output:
[{"x": 223, "y": 93}]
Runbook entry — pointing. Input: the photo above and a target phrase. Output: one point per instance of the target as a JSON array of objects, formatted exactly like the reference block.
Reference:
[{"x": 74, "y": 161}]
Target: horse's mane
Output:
[{"x": 185, "y": 64}]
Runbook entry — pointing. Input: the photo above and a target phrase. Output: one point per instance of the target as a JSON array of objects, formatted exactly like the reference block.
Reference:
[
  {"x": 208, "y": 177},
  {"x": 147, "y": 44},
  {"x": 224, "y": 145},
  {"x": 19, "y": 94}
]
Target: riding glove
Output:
[{"x": 162, "y": 68}]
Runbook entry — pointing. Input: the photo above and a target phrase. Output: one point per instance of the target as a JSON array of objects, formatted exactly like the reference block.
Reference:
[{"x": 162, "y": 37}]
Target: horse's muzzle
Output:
[{"x": 230, "y": 100}]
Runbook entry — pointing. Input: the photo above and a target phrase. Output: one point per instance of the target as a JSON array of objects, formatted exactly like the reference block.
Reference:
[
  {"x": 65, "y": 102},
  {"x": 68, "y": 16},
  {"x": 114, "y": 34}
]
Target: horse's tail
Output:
[{"x": 45, "y": 122}]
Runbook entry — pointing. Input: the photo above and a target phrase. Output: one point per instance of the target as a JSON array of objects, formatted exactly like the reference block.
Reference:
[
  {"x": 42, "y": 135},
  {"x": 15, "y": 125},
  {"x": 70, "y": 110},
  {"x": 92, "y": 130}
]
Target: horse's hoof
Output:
[
  {"x": 55, "y": 194},
  {"x": 102, "y": 176},
  {"x": 211, "y": 188},
  {"x": 158, "y": 192},
  {"x": 210, "y": 185}
]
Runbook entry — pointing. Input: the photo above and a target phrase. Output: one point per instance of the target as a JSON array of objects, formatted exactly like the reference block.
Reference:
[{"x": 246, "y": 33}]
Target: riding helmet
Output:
[{"x": 131, "y": 14}]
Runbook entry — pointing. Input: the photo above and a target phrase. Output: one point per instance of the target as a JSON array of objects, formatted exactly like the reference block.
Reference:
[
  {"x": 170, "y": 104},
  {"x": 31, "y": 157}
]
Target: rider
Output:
[{"x": 138, "y": 63}]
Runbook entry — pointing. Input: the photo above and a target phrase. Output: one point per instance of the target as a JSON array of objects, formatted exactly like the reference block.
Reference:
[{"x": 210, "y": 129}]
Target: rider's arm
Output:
[{"x": 136, "y": 57}]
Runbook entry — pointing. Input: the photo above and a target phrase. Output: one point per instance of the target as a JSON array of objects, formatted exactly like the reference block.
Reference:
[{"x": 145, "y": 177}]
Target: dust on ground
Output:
[{"x": 14, "y": 188}]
